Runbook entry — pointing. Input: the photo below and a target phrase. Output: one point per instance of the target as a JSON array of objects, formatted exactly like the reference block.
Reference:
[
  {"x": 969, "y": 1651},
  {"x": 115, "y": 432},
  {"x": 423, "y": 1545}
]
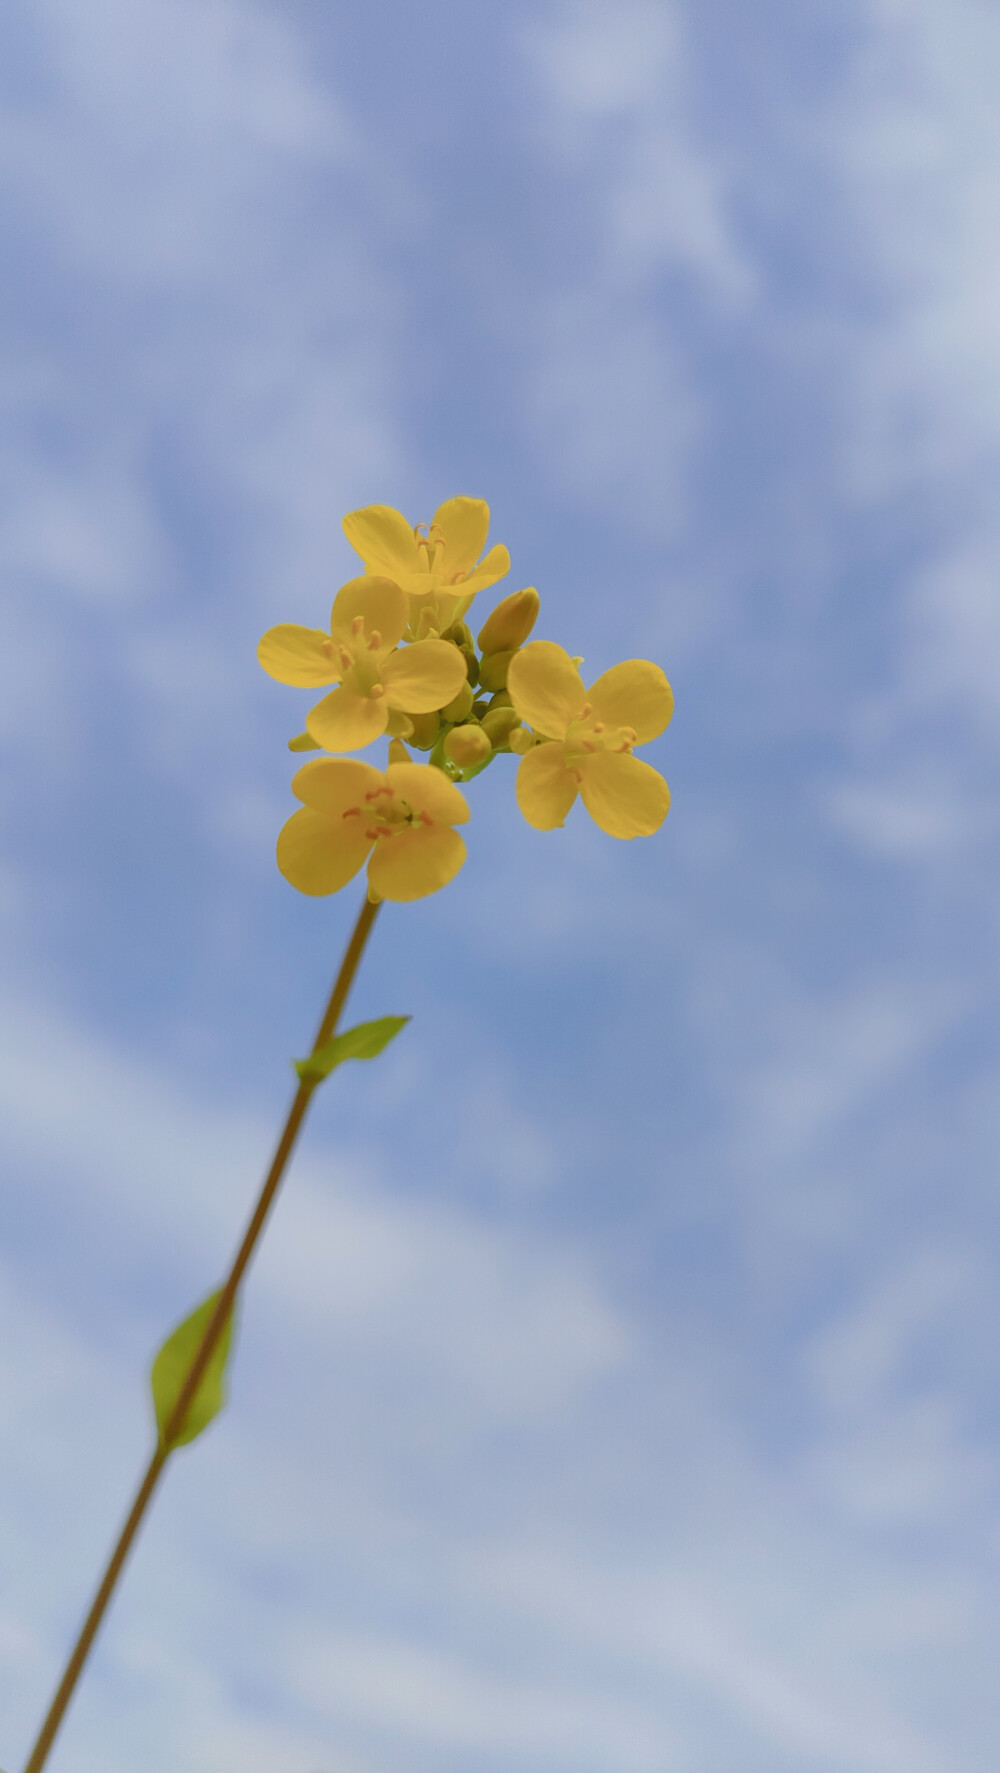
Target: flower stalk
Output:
[{"x": 214, "y": 1329}]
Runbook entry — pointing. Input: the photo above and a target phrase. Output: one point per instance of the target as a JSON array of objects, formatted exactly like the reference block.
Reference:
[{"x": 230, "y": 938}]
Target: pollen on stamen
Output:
[
  {"x": 326, "y": 646},
  {"x": 598, "y": 727},
  {"x": 376, "y": 692},
  {"x": 586, "y": 711},
  {"x": 345, "y": 659},
  {"x": 588, "y": 745},
  {"x": 351, "y": 812},
  {"x": 424, "y": 819},
  {"x": 357, "y": 625},
  {"x": 375, "y": 642}
]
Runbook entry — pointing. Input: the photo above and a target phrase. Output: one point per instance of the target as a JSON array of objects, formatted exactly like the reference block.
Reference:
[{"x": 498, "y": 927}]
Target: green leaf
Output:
[
  {"x": 172, "y": 1366},
  {"x": 366, "y": 1041}
]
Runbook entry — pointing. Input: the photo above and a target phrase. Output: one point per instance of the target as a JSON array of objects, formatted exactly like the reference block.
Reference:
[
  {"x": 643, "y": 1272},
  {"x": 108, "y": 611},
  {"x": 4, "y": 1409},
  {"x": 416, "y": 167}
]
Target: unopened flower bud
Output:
[
  {"x": 460, "y": 706},
  {"x": 502, "y": 699},
  {"x": 398, "y": 752},
  {"x": 493, "y": 670},
  {"x": 510, "y": 624},
  {"x": 466, "y": 745},
  {"x": 460, "y": 634},
  {"x": 499, "y": 725},
  {"x": 471, "y": 663},
  {"x": 425, "y": 730}
]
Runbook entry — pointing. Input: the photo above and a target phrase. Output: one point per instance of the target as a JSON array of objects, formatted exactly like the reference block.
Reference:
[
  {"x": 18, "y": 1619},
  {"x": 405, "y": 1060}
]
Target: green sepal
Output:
[
  {"x": 172, "y": 1366},
  {"x": 366, "y": 1041},
  {"x": 303, "y": 742}
]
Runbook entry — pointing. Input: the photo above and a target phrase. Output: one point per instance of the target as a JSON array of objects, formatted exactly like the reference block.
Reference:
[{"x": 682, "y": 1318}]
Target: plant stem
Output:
[{"x": 283, "y": 1151}]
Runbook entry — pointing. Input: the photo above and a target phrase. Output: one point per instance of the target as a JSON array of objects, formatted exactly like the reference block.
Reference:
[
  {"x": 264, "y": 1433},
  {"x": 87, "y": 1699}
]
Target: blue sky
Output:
[{"x": 616, "y": 1388}]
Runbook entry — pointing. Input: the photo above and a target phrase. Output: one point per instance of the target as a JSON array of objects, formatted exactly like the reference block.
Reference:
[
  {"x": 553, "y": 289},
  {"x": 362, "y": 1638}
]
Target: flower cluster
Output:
[{"x": 404, "y": 664}]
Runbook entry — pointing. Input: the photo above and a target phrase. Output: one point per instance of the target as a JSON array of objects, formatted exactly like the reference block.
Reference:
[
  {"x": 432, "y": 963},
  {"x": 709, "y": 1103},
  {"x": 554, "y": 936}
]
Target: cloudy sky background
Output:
[{"x": 616, "y": 1389}]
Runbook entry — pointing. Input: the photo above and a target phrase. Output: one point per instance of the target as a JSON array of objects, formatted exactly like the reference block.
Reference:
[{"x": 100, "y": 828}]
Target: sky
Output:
[{"x": 615, "y": 1389}]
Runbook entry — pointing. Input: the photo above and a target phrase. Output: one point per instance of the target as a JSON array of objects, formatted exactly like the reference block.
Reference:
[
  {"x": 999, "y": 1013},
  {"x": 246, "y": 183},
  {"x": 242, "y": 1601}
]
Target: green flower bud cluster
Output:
[{"x": 470, "y": 730}]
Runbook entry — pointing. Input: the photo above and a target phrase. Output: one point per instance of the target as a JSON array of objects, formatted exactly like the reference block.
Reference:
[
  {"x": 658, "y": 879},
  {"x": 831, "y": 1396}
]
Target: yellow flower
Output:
[
  {"x": 586, "y": 740},
  {"x": 438, "y": 570},
  {"x": 401, "y": 820},
  {"x": 359, "y": 654}
]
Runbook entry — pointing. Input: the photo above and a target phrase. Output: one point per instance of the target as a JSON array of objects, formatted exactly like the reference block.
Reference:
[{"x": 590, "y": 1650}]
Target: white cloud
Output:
[
  {"x": 197, "y": 349},
  {"x": 607, "y": 394},
  {"x": 833, "y": 1055},
  {"x": 916, "y": 138}
]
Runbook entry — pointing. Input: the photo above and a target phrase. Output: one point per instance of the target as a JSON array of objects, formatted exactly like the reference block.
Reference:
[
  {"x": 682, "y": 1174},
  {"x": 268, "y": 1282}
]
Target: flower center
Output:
[
  {"x": 386, "y": 814},
  {"x": 430, "y": 547},
  {"x": 585, "y": 735},
  {"x": 432, "y": 555}
]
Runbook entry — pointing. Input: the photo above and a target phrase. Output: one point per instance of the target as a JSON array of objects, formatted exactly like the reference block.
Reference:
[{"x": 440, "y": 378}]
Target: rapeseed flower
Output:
[
  {"x": 582, "y": 740},
  {"x": 440, "y": 571},
  {"x": 376, "y": 681},
  {"x": 399, "y": 821}
]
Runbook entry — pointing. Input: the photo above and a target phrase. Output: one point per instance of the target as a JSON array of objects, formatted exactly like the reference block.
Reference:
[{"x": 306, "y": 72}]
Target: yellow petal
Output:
[
  {"x": 545, "y": 687},
  {"x": 398, "y": 725},
  {"x": 496, "y": 564},
  {"x": 381, "y": 605},
  {"x": 635, "y": 694},
  {"x": 298, "y": 655},
  {"x": 318, "y": 854},
  {"x": 429, "y": 791},
  {"x": 416, "y": 862},
  {"x": 546, "y": 789},
  {"x": 334, "y": 784},
  {"x": 384, "y": 540},
  {"x": 623, "y": 795},
  {"x": 464, "y": 524},
  {"x": 345, "y": 721},
  {"x": 423, "y": 676}
]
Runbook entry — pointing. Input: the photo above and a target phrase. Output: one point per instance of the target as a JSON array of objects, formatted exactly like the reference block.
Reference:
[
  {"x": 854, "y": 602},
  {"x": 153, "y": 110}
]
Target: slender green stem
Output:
[{"x": 283, "y": 1151}]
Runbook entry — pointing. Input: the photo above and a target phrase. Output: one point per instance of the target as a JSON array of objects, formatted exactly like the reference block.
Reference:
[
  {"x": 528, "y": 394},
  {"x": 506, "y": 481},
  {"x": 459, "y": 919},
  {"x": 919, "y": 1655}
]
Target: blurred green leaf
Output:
[
  {"x": 172, "y": 1366},
  {"x": 365, "y": 1041}
]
